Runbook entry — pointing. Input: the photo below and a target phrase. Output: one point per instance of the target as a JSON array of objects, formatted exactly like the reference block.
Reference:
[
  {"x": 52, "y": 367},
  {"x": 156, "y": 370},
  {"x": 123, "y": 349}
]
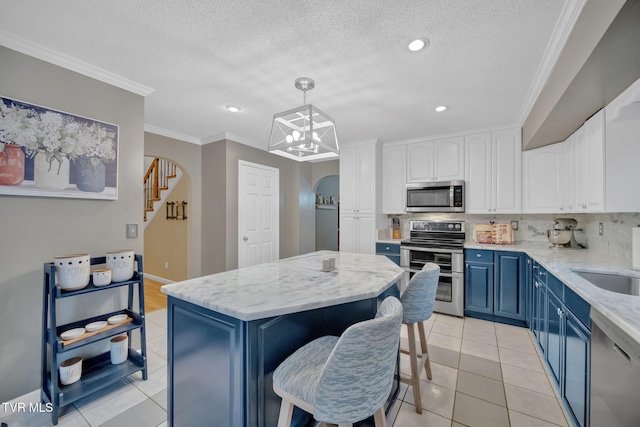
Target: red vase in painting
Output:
[{"x": 11, "y": 165}]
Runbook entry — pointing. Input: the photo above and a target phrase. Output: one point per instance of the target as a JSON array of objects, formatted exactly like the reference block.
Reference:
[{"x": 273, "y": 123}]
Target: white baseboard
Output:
[{"x": 159, "y": 279}]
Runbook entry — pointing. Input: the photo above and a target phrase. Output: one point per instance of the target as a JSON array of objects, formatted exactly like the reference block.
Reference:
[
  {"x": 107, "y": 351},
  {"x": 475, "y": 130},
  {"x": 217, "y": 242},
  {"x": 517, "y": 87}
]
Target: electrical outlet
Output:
[
  {"x": 132, "y": 231},
  {"x": 600, "y": 229},
  {"x": 514, "y": 225},
  {"x": 166, "y": 265}
]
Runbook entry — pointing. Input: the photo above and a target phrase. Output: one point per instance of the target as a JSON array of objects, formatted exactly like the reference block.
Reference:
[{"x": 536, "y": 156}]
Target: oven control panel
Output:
[{"x": 435, "y": 226}]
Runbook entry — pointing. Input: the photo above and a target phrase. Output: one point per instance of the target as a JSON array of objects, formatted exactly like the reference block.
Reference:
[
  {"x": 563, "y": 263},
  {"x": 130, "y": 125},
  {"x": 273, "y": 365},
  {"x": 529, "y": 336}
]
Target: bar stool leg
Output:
[
  {"x": 425, "y": 353},
  {"x": 379, "y": 419},
  {"x": 415, "y": 377},
  {"x": 286, "y": 413}
]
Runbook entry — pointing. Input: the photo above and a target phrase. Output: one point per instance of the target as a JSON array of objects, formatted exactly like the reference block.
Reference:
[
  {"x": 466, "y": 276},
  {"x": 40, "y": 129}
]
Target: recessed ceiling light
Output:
[
  {"x": 418, "y": 45},
  {"x": 233, "y": 108},
  {"x": 441, "y": 108}
]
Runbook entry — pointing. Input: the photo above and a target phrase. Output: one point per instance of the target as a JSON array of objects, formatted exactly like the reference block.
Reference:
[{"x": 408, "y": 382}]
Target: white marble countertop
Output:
[
  {"x": 622, "y": 310},
  {"x": 289, "y": 285}
]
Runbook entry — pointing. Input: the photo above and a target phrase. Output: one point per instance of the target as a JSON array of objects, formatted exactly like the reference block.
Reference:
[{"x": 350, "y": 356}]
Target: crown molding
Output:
[
  {"x": 234, "y": 138},
  {"x": 172, "y": 134},
  {"x": 65, "y": 61},
  {"x": 568, "y": 18}
]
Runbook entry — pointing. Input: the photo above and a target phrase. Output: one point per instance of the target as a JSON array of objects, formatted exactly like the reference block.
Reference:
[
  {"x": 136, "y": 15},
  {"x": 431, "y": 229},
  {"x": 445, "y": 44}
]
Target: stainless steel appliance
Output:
[
  {"x": 440, "y": 242},
  {"x": 445, "y": 196},
  {"x": 615, "y": 375},
  {"x": 562, "y": 234}
]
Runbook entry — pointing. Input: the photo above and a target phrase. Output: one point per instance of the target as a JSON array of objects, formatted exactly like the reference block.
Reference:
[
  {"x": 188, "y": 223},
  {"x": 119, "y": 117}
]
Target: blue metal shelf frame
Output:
[{"x": 97, "y": 372}]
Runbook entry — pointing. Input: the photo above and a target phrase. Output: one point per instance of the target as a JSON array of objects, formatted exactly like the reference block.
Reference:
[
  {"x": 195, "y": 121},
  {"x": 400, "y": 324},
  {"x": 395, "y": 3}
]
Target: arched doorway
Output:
[{"x": 327, "y": 213}]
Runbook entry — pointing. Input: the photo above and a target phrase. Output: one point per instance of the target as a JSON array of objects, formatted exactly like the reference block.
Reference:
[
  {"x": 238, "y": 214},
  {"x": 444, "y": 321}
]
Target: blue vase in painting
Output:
[{"x": 90, "y": 175}]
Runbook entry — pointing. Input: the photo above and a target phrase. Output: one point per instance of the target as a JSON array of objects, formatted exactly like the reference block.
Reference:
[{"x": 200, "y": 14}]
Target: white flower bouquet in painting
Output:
[{"x": 54, "y": 140}]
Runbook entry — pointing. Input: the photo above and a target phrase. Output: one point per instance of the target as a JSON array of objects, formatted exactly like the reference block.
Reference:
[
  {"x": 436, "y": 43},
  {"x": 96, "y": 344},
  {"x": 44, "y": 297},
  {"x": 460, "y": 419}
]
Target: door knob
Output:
[{"x": 245, "y": 238}]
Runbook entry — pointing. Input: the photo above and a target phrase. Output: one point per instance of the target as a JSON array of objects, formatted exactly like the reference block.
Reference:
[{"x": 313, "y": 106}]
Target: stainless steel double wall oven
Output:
[{"x": 440, "y": 242}]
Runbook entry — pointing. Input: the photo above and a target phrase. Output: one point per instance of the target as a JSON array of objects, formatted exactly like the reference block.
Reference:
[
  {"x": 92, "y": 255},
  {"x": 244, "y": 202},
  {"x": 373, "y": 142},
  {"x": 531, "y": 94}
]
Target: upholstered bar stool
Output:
[
  {"x": 347, "y": 379},
  {"x": 417, "y": 304}
]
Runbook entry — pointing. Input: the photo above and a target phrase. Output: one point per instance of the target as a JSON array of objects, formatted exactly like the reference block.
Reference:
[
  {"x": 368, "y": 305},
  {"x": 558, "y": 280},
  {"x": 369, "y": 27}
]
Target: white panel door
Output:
[
  {"x": 258, "y": 214},
  {"x": 394, "y": 182},
  {"x": 478, "y": 188},
  {"x": 448, "y": 157},
  {"x": 366, "y": 234}
]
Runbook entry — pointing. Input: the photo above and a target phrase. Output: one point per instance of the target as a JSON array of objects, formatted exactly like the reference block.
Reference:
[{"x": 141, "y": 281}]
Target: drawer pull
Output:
[
  {"x": 479, "y": 255},
  {"x": 387, "y": 248}
]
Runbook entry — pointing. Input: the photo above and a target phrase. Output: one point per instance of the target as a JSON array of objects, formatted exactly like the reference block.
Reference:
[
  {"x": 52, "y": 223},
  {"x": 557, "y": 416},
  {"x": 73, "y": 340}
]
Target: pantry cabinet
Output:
[
  {"x": 437, "y": 160},
  {"x": 493, "y": 172},
  {"x": 359, "y": 212},
  {"x": 394, "y": 172}
]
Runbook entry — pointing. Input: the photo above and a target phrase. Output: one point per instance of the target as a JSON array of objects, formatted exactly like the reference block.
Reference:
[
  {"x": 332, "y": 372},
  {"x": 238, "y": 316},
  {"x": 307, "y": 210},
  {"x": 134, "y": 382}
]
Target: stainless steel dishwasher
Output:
[{"x": 615, "y": 375}]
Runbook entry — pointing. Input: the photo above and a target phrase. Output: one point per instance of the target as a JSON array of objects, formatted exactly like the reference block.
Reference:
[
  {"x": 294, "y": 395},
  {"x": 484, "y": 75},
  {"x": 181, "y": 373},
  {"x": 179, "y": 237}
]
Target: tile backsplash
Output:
[{"x": 616, "y": 238}]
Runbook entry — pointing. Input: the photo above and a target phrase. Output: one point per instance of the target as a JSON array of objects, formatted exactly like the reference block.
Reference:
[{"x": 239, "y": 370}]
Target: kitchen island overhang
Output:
[{"x": 229, "y": 331}]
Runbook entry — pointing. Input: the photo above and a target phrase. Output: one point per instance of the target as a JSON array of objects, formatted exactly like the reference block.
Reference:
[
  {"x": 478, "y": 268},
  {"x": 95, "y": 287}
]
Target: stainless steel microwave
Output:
[{"x": 445, "y": 196}]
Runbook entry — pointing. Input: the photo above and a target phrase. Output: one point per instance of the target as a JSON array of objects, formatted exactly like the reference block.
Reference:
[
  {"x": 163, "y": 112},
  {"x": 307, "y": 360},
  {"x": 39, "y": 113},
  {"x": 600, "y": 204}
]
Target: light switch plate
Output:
[{"x": 132, "y": 231}]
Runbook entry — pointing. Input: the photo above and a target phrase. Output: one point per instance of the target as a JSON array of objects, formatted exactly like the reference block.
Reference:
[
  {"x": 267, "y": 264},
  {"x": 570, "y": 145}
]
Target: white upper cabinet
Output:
[
  {"x": 595, "y": 162},
  {"x": 493, "y": 172},
  {"x": 438, "y": 160},
  {"x": 394, "y": 173},
  {"x": 358, "y": 179},
  {"x": 622, "y": 157},
  {"x": 542, "y": 179},
  {"x": 568, "y": 174}
]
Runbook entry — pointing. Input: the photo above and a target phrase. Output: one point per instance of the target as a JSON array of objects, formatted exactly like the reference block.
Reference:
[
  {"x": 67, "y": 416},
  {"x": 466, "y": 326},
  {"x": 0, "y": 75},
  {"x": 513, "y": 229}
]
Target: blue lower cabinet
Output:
[
  {"x": 390, "y": 250},
  {"x": 509, "y": 289},
  {"x": 558, "y": 322},
  {"x": 478, "y": 287},
  {"x": 555, "y": 336},
  {"x": 577, "y": 368},
  {"x": 495, "y": 286}
]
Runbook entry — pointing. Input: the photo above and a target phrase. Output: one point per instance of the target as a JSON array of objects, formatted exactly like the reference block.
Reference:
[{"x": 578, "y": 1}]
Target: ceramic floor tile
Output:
[
  {"x": 447, "y": 329},
  {"x": 428, "y": 324},
  {"x": 444, "y": 356},
  {"x": 435, "y": 398},
  {"x": 158, "y": 345},
  {"x": 163, "y": 424},
  {"x": 474, "y": 412},
  {"x": 480, "y": 366},
  {"x": 158, "y": 317},
  {"x": 153, "y": 330},
  {"x": 534, "y": 404},
  {"x": 481, "y": 350},
  {"x": 525, "y": 378},
  {"x": 521, "y": 420},
  {"x": 161, "y": 399},
  {"x": 69, "y": 417},
  {"x": 156, "y": 382},
  {"x": 449, "y": 320},
  {"x": 442, "y": 375},
  {"x": 145, "y": 414},
  {"x": 479, "y": 325},
  {"x": 478, "y": 336},
  {"x": 408, "y": 417},
  {"x": 510, "y": 331},
  {"x": 454, "y": 424},
  {"x": 111, "y": 405},
  {"x": 481, "y": 387},
  {"x": 521, "y": 360},
  {"x": 444, "y": 341},
  {"x": 519, "y": 344},
  {"x": 155, "y": 361}
]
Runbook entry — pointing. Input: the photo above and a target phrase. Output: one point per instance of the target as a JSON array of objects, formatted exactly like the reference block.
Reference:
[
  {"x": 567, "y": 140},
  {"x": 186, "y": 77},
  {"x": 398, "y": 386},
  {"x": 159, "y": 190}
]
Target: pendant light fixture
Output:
[{"x": 304, "y": 133}]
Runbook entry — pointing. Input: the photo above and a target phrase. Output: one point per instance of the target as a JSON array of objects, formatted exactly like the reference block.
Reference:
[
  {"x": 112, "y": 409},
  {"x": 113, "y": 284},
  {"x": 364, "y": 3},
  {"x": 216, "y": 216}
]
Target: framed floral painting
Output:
[{"x": 45, "y": 152}]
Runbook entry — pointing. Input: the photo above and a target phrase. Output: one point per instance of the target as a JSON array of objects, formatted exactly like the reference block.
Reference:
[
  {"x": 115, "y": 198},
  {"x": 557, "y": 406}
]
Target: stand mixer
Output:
[{"x": 562, "y": 234}]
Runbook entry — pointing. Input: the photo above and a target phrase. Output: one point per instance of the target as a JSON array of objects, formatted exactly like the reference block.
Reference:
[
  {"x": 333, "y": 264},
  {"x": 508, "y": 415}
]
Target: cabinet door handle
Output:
[
  {"x": 387, "y": 248},
  {"x": 478, "y": 255}
]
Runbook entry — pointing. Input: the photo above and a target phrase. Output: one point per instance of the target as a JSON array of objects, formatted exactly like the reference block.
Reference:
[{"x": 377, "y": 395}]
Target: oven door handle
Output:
[
  {"x": 413, "y": 270},
  {"x": 433, "y": 250}
]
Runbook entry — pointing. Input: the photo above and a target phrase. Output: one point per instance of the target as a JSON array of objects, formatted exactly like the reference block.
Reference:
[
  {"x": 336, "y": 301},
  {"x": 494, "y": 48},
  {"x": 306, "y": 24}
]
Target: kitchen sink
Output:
[{"x": 628, "y": 285}]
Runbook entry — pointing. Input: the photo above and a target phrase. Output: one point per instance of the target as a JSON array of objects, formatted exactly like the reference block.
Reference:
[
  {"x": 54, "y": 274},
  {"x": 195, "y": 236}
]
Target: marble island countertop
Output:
[
  {"x": 622, "y": 310},
  {"x": 289, "y": 285}
]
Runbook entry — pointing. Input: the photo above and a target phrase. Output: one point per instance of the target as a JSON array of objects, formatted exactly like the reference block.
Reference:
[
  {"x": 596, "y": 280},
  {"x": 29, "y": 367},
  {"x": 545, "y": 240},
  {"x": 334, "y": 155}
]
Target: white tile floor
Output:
[{"x": 485, "y": 374}]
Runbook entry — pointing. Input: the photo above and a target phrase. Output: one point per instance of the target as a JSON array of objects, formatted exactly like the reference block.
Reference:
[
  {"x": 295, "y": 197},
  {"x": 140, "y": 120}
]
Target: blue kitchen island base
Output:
[{"x": 220, "y": 367}]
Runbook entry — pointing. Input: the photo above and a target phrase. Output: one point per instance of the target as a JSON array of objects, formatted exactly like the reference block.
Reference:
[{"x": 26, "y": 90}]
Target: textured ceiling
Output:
[{"x": 199, "y": 56}]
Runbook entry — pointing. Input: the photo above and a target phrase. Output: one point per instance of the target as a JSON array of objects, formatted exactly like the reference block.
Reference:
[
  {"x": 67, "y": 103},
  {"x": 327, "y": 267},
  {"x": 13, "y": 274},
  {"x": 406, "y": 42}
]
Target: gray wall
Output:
[
  {"x": 213, "y": 254},
  {"x": 35, "y": 229},
  {"x": 188, "y": 157}
]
